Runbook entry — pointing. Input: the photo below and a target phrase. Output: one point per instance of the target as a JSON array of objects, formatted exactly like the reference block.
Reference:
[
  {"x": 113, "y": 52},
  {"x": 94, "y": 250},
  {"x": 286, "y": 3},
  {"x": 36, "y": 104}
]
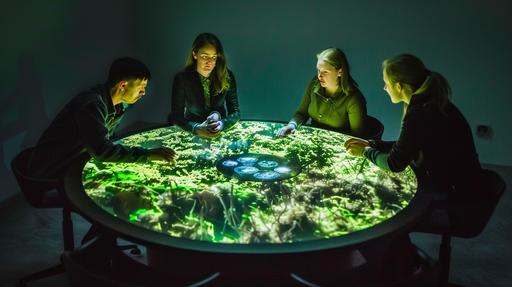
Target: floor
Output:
[{"x": 30, "y": 240}]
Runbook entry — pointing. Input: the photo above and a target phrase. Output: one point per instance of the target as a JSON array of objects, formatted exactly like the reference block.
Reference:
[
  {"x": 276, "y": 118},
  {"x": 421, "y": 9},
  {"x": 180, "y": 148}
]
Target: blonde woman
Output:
[{"x": 332, "y": 99}]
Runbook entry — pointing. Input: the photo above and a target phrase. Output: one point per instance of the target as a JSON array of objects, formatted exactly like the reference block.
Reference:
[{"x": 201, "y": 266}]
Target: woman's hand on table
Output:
[
  {"x": 214, "y": 124},
  {"x": 215, "y": 127},
  {"x": 163, "y": 154},
  {"x": 213, "y": 117},
  {"x": 356, "y": 146},
  {"x": 286, "y": 130},
  {"x": 207, "y": 130}
]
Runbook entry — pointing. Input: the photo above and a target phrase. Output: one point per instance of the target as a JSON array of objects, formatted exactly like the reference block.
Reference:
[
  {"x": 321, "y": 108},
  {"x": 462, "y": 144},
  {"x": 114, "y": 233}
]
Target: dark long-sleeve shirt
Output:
[
  {"x": 344, "y": 113},
  {"x": 439, "y": 143},
  {"x": 189, "y": 108},
  {"x": 85, "y": 124}
]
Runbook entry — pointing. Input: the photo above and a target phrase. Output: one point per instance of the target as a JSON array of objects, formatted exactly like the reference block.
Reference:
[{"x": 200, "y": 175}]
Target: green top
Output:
[
  {"x": 343, "y": 112},
  {"x": 205, "y": 82}
]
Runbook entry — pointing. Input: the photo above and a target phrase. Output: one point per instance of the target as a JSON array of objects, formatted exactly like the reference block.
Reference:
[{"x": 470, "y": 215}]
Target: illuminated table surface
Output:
[{"x": 335, "y": 200}]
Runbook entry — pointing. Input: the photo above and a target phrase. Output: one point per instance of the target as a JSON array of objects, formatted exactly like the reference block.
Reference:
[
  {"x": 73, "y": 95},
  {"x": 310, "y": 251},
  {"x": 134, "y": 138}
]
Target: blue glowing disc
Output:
[
  {"x": 247, "y": 160},
  {"x": 282, "y": 169},
  {"x": 267, "y": 175},
  {"x": 267, "y": 163},
  {"x": 229, "y": 163}
]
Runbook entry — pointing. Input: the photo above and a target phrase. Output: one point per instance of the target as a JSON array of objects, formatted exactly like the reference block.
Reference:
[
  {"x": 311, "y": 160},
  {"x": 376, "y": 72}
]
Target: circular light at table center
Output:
[{"x": 258, "y": 167}]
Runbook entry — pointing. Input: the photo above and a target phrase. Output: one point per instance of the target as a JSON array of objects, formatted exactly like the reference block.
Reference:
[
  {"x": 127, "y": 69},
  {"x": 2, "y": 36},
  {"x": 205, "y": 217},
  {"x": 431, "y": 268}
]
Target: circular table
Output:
[{"x": 335, "y": 202}]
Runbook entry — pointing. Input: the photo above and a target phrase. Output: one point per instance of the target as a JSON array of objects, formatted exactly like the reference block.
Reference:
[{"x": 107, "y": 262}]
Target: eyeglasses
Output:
[{"x": 207, "y": 58}]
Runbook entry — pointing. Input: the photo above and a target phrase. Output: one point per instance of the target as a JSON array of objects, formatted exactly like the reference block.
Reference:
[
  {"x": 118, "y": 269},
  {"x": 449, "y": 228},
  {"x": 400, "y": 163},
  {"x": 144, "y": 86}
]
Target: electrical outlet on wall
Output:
[{"x": 484, "y": 131}]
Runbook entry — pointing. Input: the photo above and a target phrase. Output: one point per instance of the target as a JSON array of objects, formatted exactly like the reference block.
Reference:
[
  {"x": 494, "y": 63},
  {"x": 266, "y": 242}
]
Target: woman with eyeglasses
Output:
[
  {"x": 332, "y": 99},
  {"x": 204, "y": 97}
]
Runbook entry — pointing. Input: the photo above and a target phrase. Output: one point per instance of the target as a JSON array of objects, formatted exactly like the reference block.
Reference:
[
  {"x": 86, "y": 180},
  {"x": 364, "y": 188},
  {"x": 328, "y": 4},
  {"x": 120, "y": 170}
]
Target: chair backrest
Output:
[
  {"x": 467, "y": 218},
  {"x": 34, "y": 189},
  {"x": 374, "y": 128},
  {"x": 478, "y": 212}
]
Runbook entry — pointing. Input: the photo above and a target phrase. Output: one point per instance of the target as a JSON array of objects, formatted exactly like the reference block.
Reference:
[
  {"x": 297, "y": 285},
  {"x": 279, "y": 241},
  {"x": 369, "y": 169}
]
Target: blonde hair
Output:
[{"x": 336, "y": 58}]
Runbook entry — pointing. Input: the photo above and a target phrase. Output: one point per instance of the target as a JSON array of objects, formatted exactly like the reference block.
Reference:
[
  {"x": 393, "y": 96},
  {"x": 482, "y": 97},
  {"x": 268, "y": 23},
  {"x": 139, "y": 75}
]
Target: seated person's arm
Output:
[
  {"x": 383, "y": 146},
  {"x": 301, "y": 116},
  {"x": 403, "y": 151},
  {"x": 90, "y": 126}
]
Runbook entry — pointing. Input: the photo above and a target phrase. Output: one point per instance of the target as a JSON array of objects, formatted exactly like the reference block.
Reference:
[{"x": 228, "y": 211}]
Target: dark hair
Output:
[
  {"x": 409, "y": 69},
  {"x": 336, "y": 58},
  {"x": 127, "y": 68},
  {"x": 220, "y": 75}
]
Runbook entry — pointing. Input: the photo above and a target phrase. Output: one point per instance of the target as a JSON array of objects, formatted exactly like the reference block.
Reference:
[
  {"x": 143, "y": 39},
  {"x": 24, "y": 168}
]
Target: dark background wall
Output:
[{"x": 50, "y": 50}]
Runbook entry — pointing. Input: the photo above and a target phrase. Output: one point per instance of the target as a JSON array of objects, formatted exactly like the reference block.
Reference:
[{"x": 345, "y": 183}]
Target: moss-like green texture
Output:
[{"x": 335, "y": 193}]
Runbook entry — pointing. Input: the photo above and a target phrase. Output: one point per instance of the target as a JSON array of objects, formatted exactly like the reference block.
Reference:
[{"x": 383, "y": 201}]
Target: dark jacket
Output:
[
  {"x": 85, "y": 124},
  {"x": 188, "y": 101},
  {"x": 345, "y": 113},
  {"x": 438, "y": 143}
]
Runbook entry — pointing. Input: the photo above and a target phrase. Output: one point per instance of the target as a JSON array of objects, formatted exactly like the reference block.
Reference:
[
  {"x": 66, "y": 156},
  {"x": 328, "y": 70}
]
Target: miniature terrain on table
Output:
[{"x": 332, "y": 194}]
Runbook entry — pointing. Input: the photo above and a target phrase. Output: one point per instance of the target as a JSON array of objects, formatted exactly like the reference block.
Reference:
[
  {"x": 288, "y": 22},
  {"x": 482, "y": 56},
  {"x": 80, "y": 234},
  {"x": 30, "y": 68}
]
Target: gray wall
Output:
[
  {"x": 53, "y": 49},
  {"x": 49, "y": 51}
]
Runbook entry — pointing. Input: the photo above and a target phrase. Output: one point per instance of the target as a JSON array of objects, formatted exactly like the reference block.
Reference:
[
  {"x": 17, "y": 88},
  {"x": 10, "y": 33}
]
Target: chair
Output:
[
  {"x": 374, "y": 129},
  {"x": 476, "y": 215},
  {"x": 366, "y": 276},
  {"x": 91, "y": 265},
  {"x": 43, "y": 193}
]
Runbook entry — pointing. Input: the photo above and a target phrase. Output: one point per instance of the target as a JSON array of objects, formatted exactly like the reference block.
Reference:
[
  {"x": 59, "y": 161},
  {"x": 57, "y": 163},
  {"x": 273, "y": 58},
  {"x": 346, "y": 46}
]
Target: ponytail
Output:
[{"x": 408, "y": 69}]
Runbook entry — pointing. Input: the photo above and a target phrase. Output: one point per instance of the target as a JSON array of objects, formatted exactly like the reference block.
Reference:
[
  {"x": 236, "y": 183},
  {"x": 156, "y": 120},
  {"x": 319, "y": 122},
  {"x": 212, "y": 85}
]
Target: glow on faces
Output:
[
  {"x": 133, "y": 90},
  {"x": 206, "y": 58},
  {"x": 328, "y": 75},
  {"x": 394, "y": 90}
]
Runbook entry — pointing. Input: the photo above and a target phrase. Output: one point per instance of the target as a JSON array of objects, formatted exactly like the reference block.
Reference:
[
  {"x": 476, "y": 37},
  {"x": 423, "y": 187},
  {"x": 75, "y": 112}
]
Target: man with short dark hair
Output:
[{"x": 88, "y": 121}]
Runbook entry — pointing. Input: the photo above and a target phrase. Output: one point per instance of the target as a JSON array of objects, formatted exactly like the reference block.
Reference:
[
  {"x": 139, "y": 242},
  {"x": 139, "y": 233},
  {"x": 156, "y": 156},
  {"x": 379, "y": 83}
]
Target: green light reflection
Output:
[{"x": 335, "y": 193}]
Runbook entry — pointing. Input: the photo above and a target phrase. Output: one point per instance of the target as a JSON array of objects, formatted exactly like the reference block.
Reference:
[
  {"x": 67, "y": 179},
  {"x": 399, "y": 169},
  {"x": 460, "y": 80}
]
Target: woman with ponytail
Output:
[{"x": 435, "y": 137}]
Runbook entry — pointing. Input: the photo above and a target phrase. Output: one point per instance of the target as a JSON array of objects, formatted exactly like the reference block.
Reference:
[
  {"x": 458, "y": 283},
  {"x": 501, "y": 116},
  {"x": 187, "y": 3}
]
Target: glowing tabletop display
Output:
[{"x": 247, "y": 186}]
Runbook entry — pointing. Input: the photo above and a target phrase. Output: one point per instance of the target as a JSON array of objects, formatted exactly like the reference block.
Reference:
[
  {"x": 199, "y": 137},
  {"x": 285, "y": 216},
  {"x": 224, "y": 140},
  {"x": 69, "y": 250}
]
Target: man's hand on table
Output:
[{"x": 163, "y": 154}]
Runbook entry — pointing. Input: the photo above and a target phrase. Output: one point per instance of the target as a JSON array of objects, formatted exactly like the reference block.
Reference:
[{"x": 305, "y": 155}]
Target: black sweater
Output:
[
  {"x": 85, "y": 124},
  {"x": 188, "y": 101},
  {"x": 438, "y": 143}
]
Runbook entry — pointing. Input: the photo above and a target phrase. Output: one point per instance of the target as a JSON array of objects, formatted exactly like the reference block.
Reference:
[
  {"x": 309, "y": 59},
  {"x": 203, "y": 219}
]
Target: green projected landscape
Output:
[{"x": 334, "y": 193}]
